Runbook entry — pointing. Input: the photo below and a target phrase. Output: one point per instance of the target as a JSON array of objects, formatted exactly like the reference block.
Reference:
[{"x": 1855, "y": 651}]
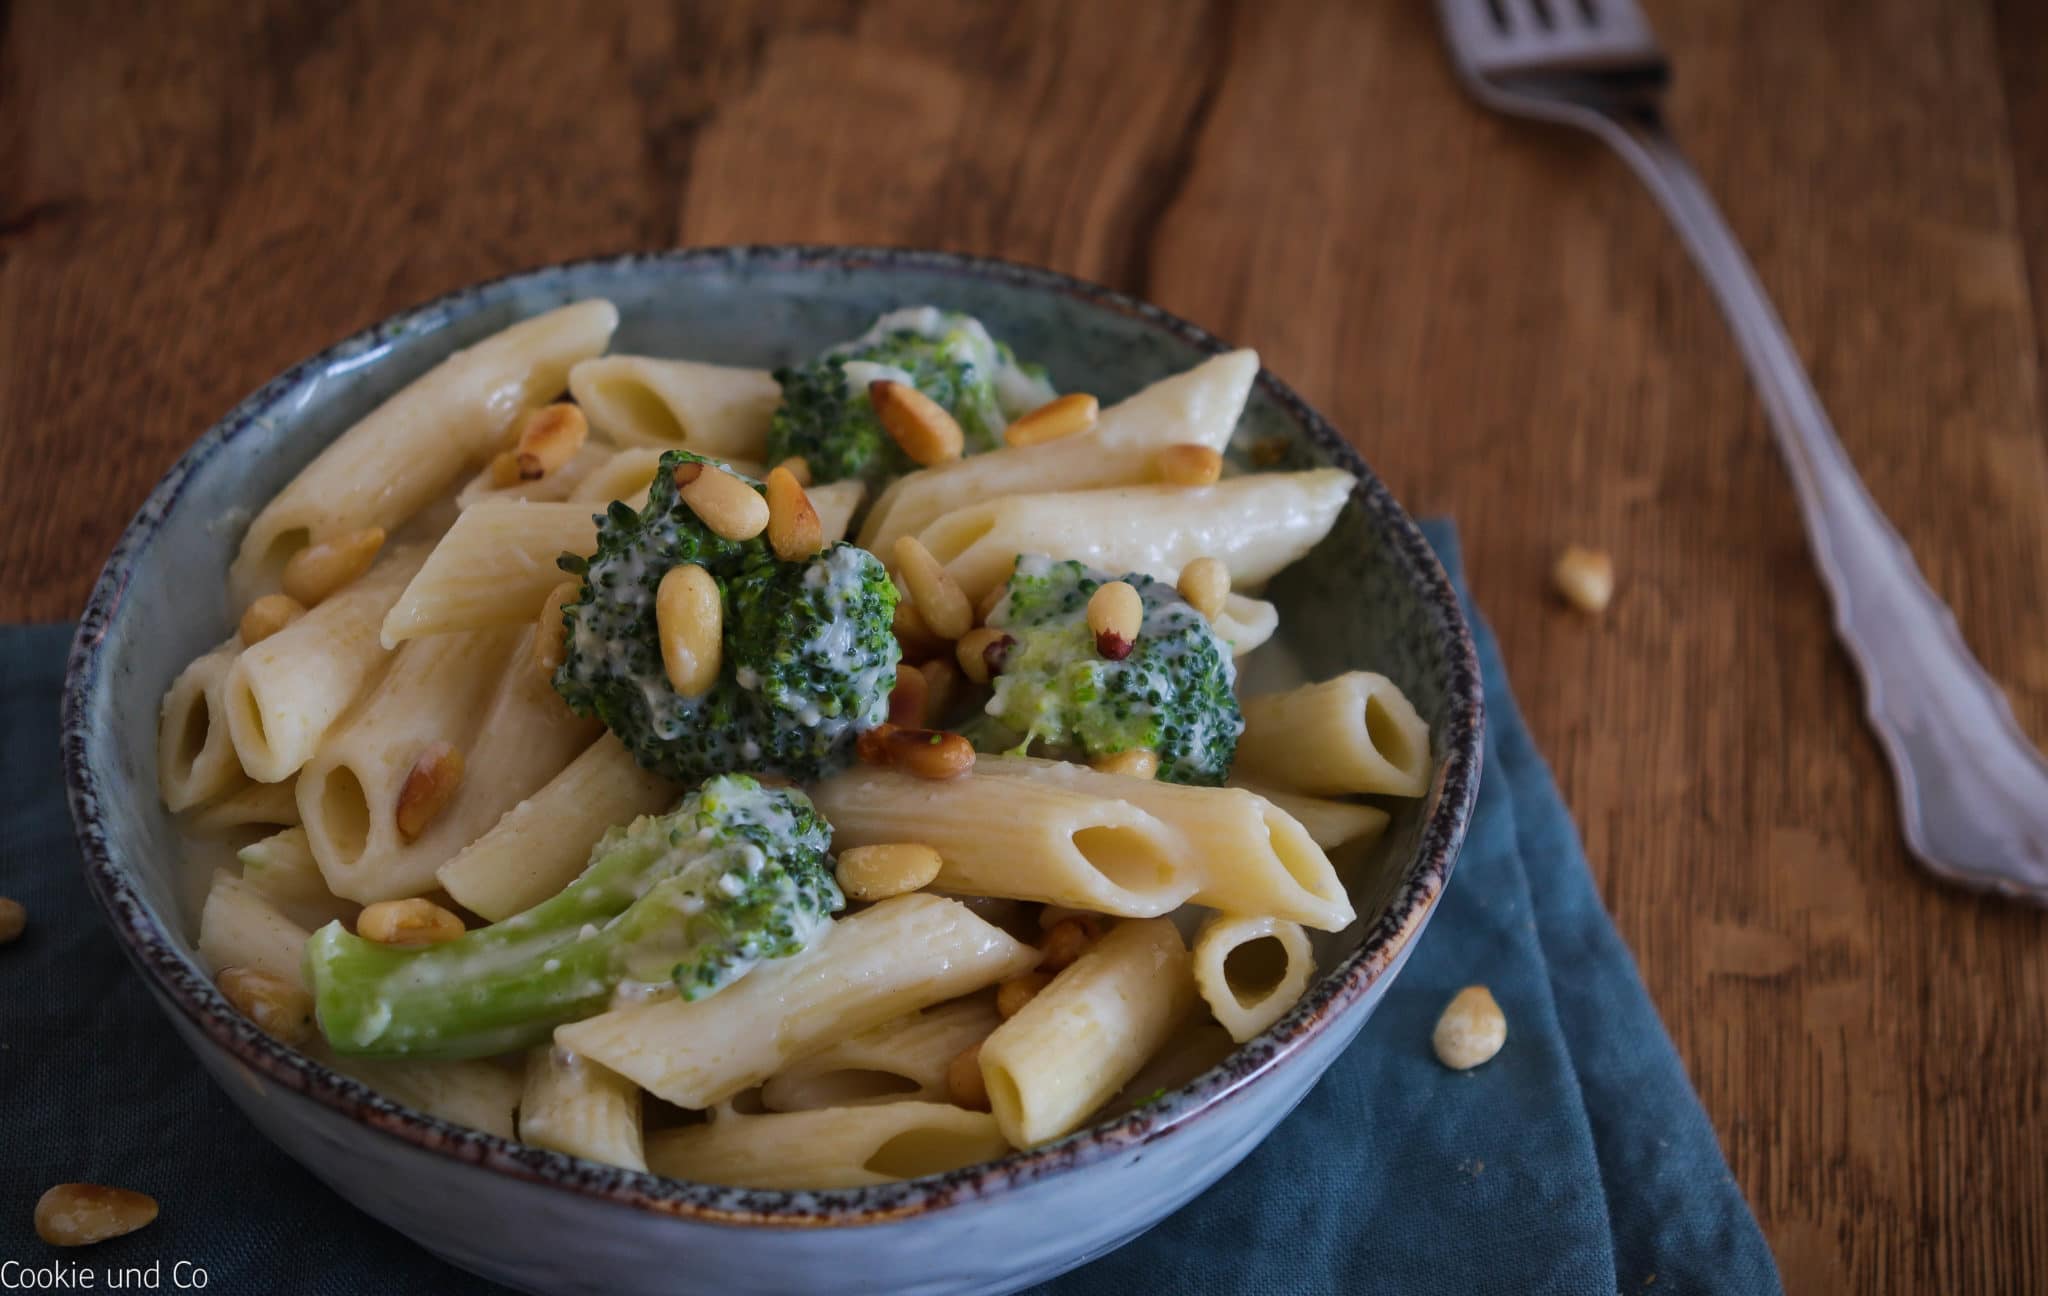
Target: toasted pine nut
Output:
[
  {"x": 1585, "y": 577},
  {"x": 1064, "y": 942},
  {"x": 1269, "y": 451},
  {"x": 268, "y": 615},
  {"x": 1052, "y": 915},
  {"x": 872, "y": 746},
  {"x": 878, "y": 872},
  {"x": 1138, "y": 762},
  {"x": 80, "y": 1214},
  {"x": 1471, "y": 1030},
  {"x": 990, "y": 602},
  {"x": 724, "y": 503},
  {"x": 320, "y": 569},
  {"x": 548, "y": 438},
  {"x": 907, "y": 699},
  {"x": 280, "y": 1009},
  {"x": 690, "y": 618},
  {"x": 505, "y": 469},
  {"x": 927, "y": 433},
  {"x": 981, "y": 652},
  {"x": 964, "y": 1082},
  {"x": 799, "y": 468},
  {"x": 930, "y": 753},
  {"x": 1115, "y": 615},
  {"x": 794, "y": 530},
  {"x": 550, "y": 633},
  {"x": 1188, "y": 464},
  {"x": 941, "y": 682},
  {"x": 1205, "y": 583},
  {"x": 939, "y": 598},
  {"x": 13, "y": 918},
  {"x": 912, "y": 634},
  {"x": 429, "y": 786},
  {"x": 1012, "y": 995},
  {"x": 1060, "y": 417},
  {"x": 407, "y": 922}
]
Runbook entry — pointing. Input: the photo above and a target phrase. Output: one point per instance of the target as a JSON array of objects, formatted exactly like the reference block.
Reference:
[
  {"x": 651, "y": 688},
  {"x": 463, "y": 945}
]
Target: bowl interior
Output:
[{"x": 1369, "y": 597}]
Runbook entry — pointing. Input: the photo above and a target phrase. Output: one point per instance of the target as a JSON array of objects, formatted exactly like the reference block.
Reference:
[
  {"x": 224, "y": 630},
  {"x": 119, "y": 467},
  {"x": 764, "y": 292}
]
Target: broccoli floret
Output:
[
  {"x": 808, "y": 660},
  {"x": 1174, "y": 694},
  {"x": 735, "y": 875},
  {"x": 827, "y": 418}
]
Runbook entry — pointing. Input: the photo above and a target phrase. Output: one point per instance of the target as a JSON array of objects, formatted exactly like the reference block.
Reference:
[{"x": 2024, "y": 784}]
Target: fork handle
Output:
[{"x": 1973, "y": 791}]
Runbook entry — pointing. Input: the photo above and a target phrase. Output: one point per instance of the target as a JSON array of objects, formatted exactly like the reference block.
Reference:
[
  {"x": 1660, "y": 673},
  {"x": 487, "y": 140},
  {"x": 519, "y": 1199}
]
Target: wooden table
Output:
[{"x": 1495, "y": 312}]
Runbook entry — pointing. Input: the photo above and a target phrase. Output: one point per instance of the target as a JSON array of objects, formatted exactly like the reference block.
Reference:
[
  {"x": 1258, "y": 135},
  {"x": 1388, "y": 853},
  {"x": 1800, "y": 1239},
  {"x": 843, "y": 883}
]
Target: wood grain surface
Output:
[{"x": 189, "y": 202}]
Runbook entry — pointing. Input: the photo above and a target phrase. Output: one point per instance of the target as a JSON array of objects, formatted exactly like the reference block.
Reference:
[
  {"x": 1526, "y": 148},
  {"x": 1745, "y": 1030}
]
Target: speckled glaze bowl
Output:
[{"x": 1372, "y": 595}]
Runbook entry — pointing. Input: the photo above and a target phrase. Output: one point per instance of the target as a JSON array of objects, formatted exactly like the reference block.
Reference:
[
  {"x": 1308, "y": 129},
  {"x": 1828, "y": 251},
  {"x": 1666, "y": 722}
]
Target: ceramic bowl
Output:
[{"x": 1372, "y": 595}]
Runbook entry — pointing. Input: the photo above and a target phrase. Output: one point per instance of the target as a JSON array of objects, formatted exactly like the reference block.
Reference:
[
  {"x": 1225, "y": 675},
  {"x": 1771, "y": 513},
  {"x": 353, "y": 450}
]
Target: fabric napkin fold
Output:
[{"x": 1577, "y": 1161}]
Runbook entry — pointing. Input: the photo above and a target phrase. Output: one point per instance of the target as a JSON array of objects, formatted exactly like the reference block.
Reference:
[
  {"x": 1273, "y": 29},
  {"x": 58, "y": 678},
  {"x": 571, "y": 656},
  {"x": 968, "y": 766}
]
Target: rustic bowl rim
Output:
[{"x": 180, "y": 983}]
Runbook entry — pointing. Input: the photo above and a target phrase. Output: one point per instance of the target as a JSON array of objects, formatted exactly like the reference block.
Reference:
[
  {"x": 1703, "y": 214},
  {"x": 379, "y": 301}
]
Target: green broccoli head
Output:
[
  {"x": 808, "y": 662},
  {"x": 1174, "y": 694},
  {"x": 827, "y": 418},
  {"x": 735, "y": 875}
]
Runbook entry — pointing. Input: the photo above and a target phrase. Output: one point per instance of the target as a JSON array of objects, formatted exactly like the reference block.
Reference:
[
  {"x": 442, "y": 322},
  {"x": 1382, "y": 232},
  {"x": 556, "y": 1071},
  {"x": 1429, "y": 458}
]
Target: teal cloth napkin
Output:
[{"x": 1577, "y": 1161}]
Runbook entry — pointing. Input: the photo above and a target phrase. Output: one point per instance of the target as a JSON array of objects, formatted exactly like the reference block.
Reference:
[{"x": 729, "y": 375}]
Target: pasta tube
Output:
[
  {"x": 715, "y": 410},
  {"x": 1251, "y": 970},
  {"x": 555, "y": 486},
  {"x": 1329, "y": 822},
  {"x": 1200, "y": 407},
  {"x": 195, "y": 757},
  {"x": 896, "y": 957},
  {"x": 1068, "y": 835},
  {"x": 1245, "y": 623},
  {"x": 1355, "y": 733},
  {"x": 836, "y": 503},
  {"x": 1255, "y": 525},
  {"x": 480, "y": 1095},
  {"x": 254, "y": 805},
  {"x": 838, "y": 1147},
  {"x": 284, "y": 694},
  {"x": 240, "y": 927},
  {"x": 493, "y": 568},
  {"x": 1070, "y": 1049},
  {"x": 898, "y": 1060},
  {"x": 282, "y": 869},
  {"x": 573, "y": 1105},
  {"x": 413, "y": 447}
]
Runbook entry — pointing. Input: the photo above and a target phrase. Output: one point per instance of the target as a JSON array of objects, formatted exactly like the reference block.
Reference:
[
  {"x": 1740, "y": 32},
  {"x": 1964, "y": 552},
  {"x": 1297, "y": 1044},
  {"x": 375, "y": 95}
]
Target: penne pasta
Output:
[
  {"x": 895, "y": 957},
  {"x": 255, "y": 805},
  {"x": 1200, "y": 407},
  {"x": 836, "y": 503},
  {"x": 716, "y": 410},
  {"x": 840, "y": 1147},
  {"x": 555, "y": 486},
  {"x": 1245, "y": 623},
  {"x": 1255, "y": 525},
  {"x": 239, "y": 926},
  {"x": 896, "y": 1061},
  {"x": 573, "y": 1105},
  {"x": 1355, "y": 733},
  {"x": 481, "y": 1095},
  {"x": 415, "y": 445},
  {"x": 1251, "y": 970},
  {"x": 1330, "y": 823},
  {"x": 540, "y": 845},
  {"x": 195, "y": 756},
  {"x": 1193, "y": 1049},
  {"x": 282, "y": 868},
  {"x": 284, "y": 694},
  {"x": 1068, "y": 835},
  {"x": 1079, "y": 1040},
  {"x": 493, "y": 568},
  {"x": 628, "y": 473}
]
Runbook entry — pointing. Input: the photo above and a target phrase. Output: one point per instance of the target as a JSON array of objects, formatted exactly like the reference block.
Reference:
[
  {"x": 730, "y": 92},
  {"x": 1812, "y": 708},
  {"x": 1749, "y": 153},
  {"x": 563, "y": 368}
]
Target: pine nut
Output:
[
  {"x": 1061, "y": 417},
  {"x": 872, "y": 746},
  {"x": 1012, "y": 995},
  {"x": 1115, "y": 615},
  {"x": 927, "y": 433},
  {"x": 941, "y": 684},
  {"x": 280, "y": 1009},
  {"x": 1205, "y": 583},
  {"x": 1471, "y": 1031},
  {"x": 429, "y": 786},
  {"x": 80, "y": 1214},
  {"x": 551, "y": 633},
  {"x": 799, "y": 468},
  {"x": 913, "y": 636},
  {"x": 548, "y": 438},
  {"x": 907, "y": 699},
  {"x": 878, "y": 872},
  {"x": 690, "y": 619},
  {"x": 730, "y": 507},
  {"x": 320, "y": 569},
  {"x": 1138, "y": 762},
  {"x": 964, "y": 1083},
  {"x": 930, "y": 753},
  {"x": 1188, "y": 465},
  {"x": 407, "y": 922},
  {"x": 268, "y": 615},
  {"x": 1268, "y": 452},
  {"x": 981, "y": 653},
  {"x": 505, "y": 469},
  {"x": 1064, "y": 942},
  {"x": 13, "y": 918},
  {"x": 1585, "y": 577},
  {"x": 794, "y": 531},
  {"x": 939, "y": 598}
]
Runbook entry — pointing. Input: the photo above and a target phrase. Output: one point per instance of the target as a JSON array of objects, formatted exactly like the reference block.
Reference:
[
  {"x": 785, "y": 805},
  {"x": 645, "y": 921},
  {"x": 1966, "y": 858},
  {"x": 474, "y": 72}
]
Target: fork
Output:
[{"x": 1973, "y": 791}]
